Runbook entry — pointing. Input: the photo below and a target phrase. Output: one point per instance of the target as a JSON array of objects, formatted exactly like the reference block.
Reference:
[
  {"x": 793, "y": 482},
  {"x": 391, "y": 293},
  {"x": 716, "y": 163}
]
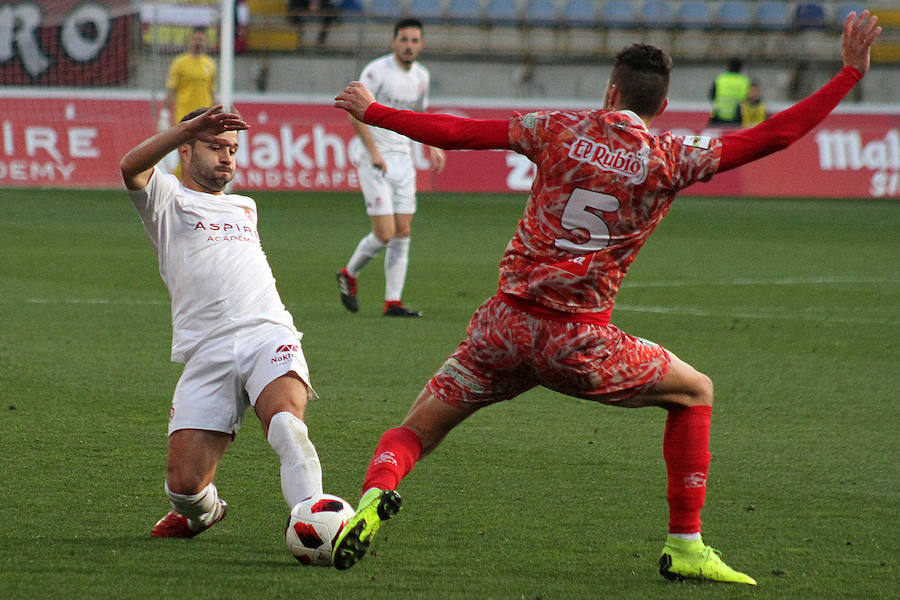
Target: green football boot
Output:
[
  {"x": 375, "y": 507},
  {"x": 692, "y": 559}
]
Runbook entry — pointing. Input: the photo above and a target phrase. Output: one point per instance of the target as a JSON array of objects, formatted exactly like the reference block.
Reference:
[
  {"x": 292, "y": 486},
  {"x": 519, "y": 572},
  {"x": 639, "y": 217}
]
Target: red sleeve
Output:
[
  {"x": 783, "y": 129},
  {"x": 444, "y": 131}
]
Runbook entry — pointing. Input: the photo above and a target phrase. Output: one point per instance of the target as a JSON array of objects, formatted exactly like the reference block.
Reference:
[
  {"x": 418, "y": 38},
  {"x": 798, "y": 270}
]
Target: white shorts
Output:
[
  {"x": 224, "y": 376},
  {"x": 390, "y": 192}
]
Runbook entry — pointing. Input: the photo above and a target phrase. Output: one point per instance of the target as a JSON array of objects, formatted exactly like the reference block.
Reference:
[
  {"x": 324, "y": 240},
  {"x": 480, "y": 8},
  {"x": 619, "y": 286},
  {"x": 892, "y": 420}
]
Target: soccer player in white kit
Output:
[
  {"x": 229, "y": 327},
  {"x": 387, "y": 175}
]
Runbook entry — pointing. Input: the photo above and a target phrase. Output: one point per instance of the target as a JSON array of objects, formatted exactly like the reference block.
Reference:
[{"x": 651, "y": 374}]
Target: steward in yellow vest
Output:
[{"x": 728, "y": 91}]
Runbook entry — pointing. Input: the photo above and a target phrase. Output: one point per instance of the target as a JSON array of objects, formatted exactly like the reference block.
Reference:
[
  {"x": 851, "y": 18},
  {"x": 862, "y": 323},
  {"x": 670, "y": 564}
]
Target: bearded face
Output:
[{"x": 211, "y": 166}]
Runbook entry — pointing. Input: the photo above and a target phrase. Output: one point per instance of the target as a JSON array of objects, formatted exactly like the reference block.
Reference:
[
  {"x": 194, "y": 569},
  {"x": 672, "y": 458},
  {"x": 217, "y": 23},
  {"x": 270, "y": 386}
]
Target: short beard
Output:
[{"x": 209, "y": 178}]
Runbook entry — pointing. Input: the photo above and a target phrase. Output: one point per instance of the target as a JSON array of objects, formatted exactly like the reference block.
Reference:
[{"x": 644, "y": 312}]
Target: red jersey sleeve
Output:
[
  {"x": 783, "y": 129},
  {"x": 444, "y": 131}
]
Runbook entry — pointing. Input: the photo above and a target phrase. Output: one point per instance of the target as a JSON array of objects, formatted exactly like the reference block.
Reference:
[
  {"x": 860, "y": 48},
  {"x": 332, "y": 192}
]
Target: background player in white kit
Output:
[
  {"x": 229, "y": 326},
  {"x": 387, "y": 175}
]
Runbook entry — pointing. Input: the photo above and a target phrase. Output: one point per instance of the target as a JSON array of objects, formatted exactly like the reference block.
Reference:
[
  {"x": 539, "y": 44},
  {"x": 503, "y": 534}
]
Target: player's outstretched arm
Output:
[
  {"x": 442, "y": 131},
  {"x": 783, "y": 129},
  {"x": 137, "y": 164}
]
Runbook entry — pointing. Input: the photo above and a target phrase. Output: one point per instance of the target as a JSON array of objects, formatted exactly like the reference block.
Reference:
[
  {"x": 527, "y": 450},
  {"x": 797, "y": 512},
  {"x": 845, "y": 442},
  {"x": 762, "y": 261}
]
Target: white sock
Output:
[
  {"x": 686, "y": 536},
  {"x": 367, "y": 249},
  {"x": 301, "y": 473},
  {"x": 396, "y": 260},
  {"x": 201, "y": 509}
]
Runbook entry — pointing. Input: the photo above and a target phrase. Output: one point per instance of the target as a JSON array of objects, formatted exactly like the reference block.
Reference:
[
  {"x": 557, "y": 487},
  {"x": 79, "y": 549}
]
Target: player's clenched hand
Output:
[
  {"x": 208, "y": 126},
  {"x": 860, "y": 32},
  {"x": 355, "y": 99}
]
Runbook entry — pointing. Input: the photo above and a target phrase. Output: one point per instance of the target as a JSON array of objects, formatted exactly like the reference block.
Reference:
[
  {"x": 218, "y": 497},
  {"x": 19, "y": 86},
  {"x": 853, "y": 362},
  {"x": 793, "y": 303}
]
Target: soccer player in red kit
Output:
[{"x": 603, "y": 183}]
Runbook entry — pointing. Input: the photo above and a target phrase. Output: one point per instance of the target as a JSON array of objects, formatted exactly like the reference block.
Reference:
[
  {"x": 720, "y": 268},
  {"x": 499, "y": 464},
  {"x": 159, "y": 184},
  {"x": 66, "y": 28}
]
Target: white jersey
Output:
[
  {"x": 211, "y": 260},
  {"x": 398, "y": 88}
]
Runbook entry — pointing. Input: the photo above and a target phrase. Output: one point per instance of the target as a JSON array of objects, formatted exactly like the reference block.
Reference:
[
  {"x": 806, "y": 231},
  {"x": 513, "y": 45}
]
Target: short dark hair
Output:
[
  {"x": 194, "y": 113},
  {"x": 201, "y": 29},
  {"x": 735, "y": 65},
  {"x": 404, "y": 23},
  {"x": 641, "y": 74}
]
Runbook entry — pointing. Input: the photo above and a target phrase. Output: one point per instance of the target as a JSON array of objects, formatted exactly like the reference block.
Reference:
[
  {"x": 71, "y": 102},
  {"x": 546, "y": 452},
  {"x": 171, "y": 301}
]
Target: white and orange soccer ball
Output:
[{"x": 313, "y": 527}]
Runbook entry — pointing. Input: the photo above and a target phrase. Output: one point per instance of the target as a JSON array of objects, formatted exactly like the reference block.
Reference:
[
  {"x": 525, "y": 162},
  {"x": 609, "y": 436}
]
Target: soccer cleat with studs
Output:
[
  {"x": 347, "y": 286},
  {"x": 375, "y": 507},
  {"x": 692, "y": 559},
  {"x": 176, "y": 525}
]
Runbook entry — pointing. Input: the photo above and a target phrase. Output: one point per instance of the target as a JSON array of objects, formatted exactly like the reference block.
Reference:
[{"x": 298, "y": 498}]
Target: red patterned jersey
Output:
[{"x": 603, "y": 183}]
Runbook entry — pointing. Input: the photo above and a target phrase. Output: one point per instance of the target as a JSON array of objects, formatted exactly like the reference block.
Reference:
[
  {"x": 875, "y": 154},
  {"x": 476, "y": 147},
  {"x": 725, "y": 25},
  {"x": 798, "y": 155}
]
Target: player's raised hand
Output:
[
  {"x": 355, "y": 99},
  {"x": 860, "y": 32},
  {"x": 211, "y": 124}
]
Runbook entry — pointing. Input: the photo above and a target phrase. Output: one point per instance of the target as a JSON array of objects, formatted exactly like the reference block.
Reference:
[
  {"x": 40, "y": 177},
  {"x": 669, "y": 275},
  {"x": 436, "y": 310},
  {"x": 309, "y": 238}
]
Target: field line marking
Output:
[
  {"x": 93, "y": 301},
  {"x": 774, "y": 281},
  {"x": 783, "y": 316}
]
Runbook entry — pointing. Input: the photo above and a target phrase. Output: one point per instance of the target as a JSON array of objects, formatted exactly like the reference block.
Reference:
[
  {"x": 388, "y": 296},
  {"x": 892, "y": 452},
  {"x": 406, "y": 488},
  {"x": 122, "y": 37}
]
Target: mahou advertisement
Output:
[{"x": 76, "y": 140}]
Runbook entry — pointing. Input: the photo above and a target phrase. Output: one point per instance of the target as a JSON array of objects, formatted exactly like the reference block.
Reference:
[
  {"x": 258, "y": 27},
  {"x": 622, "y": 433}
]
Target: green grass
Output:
[{"x": 791, "y": 306}]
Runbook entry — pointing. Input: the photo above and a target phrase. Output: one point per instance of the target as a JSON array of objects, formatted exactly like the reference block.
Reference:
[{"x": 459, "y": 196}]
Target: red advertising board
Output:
[
  {"x": 64, "y": 43},
  {"x": 72, "y": 140}
]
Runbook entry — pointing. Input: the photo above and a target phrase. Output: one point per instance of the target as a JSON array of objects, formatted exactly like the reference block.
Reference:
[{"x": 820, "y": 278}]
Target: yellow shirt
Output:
[
  {"x": 752, "y": 113},
  {"x": 193, "y": 78}
]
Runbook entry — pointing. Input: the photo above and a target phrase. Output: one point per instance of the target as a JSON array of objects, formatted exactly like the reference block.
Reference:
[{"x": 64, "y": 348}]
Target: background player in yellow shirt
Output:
[{"x": 192, "y": 80}]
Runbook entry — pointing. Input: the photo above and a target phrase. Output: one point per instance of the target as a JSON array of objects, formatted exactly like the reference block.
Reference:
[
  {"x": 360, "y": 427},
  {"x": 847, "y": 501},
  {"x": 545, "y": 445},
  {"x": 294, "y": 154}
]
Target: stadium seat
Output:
[
  {"x": 734, "y": 15},
  {"x": 695, "y": 14},
  {"x": 810, "y": 15},
  {"x": 843, "y": 9},
  {"x": 774, "y": 16},
  {"x": 385, "y": 10},
  {"x": 427, "y": 11},
  {"x": 658, "y": 14},
  {"x": 619, "y": 14},
  {"x": 464, "y": 12},
  {"x": 579, "y": 13},
  {"x": 501, "y": 12},
  {"x": 540, "y": 13}
]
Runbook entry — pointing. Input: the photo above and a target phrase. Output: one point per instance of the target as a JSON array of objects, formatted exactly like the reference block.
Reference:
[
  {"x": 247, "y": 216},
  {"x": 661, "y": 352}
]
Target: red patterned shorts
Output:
[{"x": 509, "y": 352}]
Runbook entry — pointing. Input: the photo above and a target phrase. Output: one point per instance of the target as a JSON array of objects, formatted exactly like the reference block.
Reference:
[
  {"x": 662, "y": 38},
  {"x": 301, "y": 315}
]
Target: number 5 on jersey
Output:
[{"x": 583, "y": 212}]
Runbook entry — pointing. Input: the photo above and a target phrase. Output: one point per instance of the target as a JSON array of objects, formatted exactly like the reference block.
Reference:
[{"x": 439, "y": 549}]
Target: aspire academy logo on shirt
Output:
[
  {"x": 631, "y": 164},
  {"x": 228, "y": 232}
]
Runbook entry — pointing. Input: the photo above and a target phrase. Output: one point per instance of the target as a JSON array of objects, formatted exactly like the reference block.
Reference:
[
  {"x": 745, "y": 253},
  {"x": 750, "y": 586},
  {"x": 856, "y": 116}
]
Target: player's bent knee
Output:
[{"x": 702, "y": 392}]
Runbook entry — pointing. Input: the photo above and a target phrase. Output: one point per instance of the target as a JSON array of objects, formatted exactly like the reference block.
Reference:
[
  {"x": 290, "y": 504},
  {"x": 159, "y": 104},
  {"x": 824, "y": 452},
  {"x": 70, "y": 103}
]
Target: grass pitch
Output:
[{"x": 791, "y": 306}]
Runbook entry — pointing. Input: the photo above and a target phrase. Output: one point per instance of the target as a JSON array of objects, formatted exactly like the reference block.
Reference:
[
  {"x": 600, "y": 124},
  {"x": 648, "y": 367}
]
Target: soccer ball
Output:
[{"x": 313, "y": 527}]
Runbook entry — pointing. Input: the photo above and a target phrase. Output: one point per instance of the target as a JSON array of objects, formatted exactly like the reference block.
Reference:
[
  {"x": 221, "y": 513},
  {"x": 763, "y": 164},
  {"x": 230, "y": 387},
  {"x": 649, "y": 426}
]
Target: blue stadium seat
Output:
[
  {"x": 810, "y": 16},
  {"x": 695, "y": 14},
  {"x": 385, "y": 10},
  {"x": 579, "y": 13},
  {"x": 734, "y": 15},
  {"x": 427, "y": 11},
  {"x": 501, "y": 12},
  {"x": 464, "y": 12},
  {"x": 541, "y": 13},
  {"x": 774, "y": 16},
  {"x": 619, "y": 14},
  {"x": 658, "y": 14},
  {"x": 844, "y": 9}
]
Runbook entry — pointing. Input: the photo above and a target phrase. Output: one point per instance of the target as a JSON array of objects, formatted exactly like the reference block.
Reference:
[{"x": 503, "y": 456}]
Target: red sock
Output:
[
  {"x": 686, "y": 450},
  {"x": 396, "y": 454}
]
